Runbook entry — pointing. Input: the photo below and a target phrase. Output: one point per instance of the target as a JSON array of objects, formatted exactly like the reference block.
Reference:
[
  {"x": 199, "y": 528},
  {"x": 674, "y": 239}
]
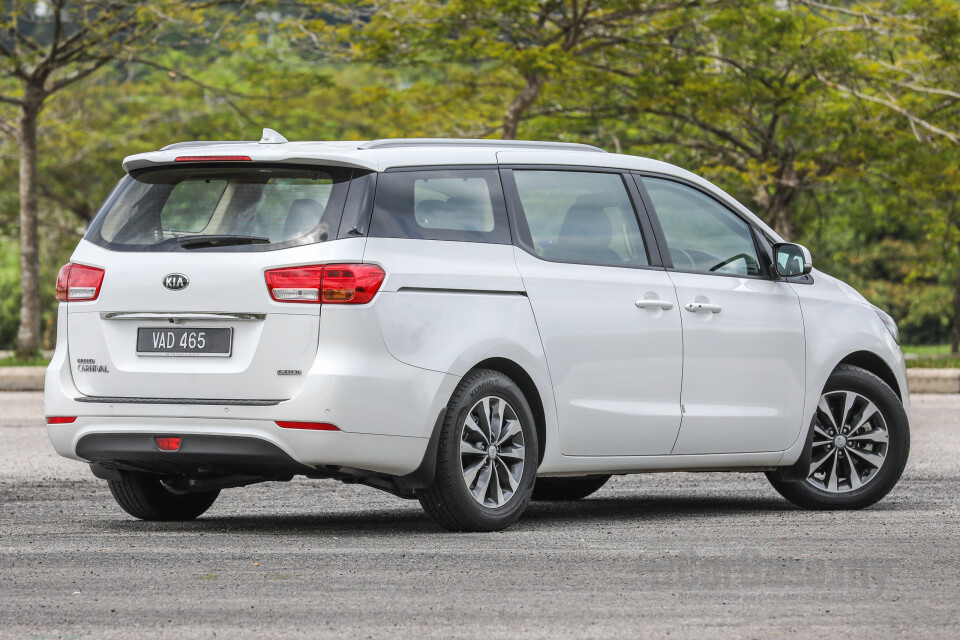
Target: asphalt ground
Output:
[{"x": 705, "y": 555}]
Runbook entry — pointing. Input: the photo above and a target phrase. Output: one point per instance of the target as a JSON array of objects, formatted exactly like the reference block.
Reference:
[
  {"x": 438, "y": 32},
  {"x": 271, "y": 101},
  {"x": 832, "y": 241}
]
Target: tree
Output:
[
  {"x": 777, "y": 99},
  {"x": 46, "y": 47},
  {"x": 514, "y": 48}
]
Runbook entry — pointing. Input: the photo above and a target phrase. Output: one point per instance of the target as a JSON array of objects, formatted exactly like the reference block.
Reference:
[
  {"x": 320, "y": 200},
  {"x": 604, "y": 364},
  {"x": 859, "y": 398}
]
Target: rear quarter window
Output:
[{"x": 464, "y": 205}]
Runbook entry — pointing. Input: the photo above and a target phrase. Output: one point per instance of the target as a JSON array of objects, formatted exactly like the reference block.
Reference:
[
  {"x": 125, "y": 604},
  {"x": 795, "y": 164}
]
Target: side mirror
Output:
[{"x": 791, "y": 260}]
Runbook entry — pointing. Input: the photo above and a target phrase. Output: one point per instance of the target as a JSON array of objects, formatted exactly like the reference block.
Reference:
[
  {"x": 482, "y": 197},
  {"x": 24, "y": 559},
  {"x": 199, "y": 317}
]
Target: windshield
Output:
[{"x": 222, "y": 208}]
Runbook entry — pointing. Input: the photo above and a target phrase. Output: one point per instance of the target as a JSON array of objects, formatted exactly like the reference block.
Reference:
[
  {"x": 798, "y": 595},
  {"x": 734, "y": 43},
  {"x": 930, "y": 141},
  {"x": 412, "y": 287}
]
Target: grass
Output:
[
  {"x": 934, "y": 363},
  {"x": 928, "y": 349},
  {"x": 931, "y": 356},
  {"x": 32, "y": 361}
]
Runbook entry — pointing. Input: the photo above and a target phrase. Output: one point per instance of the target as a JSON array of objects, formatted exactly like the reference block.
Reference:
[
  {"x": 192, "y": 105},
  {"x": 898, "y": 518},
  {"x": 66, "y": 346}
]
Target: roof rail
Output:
[
  {"x": 456, "y": 142},
  {"x": 204, "y": 143}
]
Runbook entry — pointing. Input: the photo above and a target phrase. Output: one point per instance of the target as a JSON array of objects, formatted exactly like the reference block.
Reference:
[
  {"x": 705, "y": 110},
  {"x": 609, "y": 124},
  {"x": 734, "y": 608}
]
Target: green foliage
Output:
[
  {"x": 33, "y": 361},
  {"x": 833, "y": 121},
  {"x": 926, "y": 350},
  {"x": 9, "y": 292},
  {"x": 934, "y": 363}
]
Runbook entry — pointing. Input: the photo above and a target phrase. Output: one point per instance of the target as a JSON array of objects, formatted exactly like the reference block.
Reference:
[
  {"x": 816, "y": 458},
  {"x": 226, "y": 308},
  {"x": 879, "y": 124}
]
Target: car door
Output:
[
  {"x": 743, "y": 339},
  {"x": 606, "y": 310}
]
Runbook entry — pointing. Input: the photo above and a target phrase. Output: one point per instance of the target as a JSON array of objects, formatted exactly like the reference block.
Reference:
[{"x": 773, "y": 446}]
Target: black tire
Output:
[
  {"x": 449, "y": 500},
  {"x": 144, "y": 497},
  {"x": 854, "y": 379},
  {"x": 567, "y": 489}
]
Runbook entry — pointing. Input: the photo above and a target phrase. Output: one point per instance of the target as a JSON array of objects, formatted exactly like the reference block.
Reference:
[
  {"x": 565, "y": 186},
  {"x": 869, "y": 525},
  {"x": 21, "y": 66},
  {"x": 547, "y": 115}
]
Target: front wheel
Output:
[
  {"x": 486, "y": 456},
  {"x": 861, "y": 439},
  {"x": 143, "y": 496}
]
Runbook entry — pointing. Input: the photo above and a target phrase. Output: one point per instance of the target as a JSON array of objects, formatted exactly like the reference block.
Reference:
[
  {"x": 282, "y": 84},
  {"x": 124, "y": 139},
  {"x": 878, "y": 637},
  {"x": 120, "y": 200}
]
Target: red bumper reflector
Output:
[
  {"x": 168, "y": 444},
  {"x": 61, "y": 419},
  {"x": 315, "y": 426}
]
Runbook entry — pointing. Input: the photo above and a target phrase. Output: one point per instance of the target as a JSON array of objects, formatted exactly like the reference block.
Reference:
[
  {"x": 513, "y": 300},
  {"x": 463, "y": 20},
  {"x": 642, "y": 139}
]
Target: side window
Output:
[
  {"x": 581, "y": 217},
  {"x": 461, "y": 205},
  {"x": 702, "y": 235}
]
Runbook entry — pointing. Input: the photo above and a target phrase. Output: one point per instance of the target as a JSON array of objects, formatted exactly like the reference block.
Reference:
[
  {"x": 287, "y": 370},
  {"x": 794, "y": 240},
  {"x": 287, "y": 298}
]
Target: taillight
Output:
[
  {"x": 351, "y": 283},
  {"x": 295, "y": 284},
  {"x": 331, "y": 284},
  {"x": 61, "y": 419},
  {"x": 78, "y": 282}
]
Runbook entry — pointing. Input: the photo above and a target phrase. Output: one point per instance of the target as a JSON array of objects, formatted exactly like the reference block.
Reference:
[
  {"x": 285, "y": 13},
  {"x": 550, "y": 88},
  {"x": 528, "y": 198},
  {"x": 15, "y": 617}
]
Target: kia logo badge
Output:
[{"x": 175, "y": 281}]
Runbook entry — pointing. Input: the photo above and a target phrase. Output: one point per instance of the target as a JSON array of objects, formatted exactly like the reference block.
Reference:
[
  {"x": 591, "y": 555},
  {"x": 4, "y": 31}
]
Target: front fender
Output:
[{"x": 838, "y": 322}]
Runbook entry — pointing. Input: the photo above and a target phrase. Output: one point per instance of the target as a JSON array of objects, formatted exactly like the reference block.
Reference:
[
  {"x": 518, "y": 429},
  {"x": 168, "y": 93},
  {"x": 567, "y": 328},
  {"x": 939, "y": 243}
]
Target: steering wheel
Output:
[
  {"x": 750, "y": 261},
  {"x": 675, "y": 253}
]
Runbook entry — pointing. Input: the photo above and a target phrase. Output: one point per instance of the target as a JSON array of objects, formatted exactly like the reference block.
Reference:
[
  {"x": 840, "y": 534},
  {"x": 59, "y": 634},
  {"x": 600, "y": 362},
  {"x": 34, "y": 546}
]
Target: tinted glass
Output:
[
  {"x": 152, "y": 210},
  {"x": 462, "y": 205},
  {"x": 580, "y": 217},
  {"x": 702, "y": 234}
]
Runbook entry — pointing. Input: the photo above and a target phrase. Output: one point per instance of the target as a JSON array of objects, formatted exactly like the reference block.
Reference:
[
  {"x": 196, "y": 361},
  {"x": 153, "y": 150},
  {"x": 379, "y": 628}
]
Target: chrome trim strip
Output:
[
  {"x": 180, "y": 317},
  {"x": 483, "y": 292},
  {"x": 190, "y": 401}
]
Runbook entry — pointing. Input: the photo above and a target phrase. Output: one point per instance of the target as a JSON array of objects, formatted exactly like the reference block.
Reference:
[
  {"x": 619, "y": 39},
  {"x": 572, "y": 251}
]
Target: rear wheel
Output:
[
  {"x": 486, "y": 456},
  {"x": 567, "y": 489},
  {"x": 861, "y": 439},
  {"x": 143, "y": 496}
]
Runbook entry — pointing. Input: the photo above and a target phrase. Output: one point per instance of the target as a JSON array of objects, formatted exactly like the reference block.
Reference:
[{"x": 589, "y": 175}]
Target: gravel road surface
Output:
[{"x": 703, "y": 555}]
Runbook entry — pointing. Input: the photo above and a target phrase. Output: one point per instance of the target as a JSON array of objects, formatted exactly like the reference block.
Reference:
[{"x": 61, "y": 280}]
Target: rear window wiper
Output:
[{"x": 199, "y": 242}]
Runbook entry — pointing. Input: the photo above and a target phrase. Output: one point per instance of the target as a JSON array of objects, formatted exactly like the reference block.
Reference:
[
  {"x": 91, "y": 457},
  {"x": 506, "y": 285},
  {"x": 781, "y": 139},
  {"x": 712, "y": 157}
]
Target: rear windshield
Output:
[{"x": 222, "y": 208}]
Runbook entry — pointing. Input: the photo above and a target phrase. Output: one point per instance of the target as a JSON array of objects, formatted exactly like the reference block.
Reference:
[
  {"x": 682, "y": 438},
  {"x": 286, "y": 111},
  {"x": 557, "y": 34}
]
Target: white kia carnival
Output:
[{"x": 472, "y": 323}]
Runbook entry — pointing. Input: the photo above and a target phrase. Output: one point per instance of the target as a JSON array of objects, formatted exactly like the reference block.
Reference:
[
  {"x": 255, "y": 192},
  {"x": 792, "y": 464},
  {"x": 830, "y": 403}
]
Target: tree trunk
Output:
[
  {"x": 526, "y": 97},
  {"x": 955, "y": 328},
  {"x": 779, "y": 206},
  {"x": 28, "y": 336},
  {"x": 780, "y": 216}
]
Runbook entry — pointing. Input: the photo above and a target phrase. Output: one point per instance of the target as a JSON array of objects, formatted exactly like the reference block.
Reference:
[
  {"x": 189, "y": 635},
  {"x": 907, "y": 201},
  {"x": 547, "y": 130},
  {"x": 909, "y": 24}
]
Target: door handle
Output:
[
  {"x": 702, "y": 306},
  {"x": 650, "y": 304}
]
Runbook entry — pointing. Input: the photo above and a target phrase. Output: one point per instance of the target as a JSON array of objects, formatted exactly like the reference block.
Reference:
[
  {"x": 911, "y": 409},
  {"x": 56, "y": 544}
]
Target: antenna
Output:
[{"x": 272, "y": 137}]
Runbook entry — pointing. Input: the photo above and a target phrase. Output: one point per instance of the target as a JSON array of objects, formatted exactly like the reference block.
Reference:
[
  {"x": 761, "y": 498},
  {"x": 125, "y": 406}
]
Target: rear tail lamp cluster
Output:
[
  {"x": 78, "y": 282},
  {"x": 329, "y": 283}
]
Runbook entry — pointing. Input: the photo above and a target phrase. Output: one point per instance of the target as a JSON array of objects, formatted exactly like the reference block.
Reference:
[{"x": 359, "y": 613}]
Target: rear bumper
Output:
[
  {"x": 101, "y": 439},
  {"x": 385, "y": 409},
  {"x": 197, "y": 454}
]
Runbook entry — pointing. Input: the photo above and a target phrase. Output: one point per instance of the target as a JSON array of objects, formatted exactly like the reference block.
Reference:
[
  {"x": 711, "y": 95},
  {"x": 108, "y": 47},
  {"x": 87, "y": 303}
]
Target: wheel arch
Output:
[
  {"x": 530, "y": 391},
  {"x": 874, "y": 364}
]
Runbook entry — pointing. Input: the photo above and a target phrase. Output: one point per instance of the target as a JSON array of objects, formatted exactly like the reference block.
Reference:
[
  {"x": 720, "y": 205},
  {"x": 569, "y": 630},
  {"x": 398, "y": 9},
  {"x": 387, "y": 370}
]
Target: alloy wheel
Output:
[
  {"x": 492, "y": 451},
  {"x": 850, "y": 442}
]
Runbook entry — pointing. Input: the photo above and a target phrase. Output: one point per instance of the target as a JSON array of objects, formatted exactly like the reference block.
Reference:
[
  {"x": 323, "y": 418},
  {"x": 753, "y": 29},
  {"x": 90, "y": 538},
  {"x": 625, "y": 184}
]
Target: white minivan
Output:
[{"x": 472, "y": 323}]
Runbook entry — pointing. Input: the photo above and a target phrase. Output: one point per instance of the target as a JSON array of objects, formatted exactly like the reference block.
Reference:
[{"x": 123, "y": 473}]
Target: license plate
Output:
[{"x": 156, "y": 341}]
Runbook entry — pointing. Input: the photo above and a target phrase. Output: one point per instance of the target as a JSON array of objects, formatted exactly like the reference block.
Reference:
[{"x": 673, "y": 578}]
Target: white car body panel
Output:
[
  {"x": 616, "y": 369},
  {"x": 219, "y": 283},
  {"x": 622, "y": 389},
  {"x": 838, "y": 322},
  {"x": 743, "y": 368}
]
